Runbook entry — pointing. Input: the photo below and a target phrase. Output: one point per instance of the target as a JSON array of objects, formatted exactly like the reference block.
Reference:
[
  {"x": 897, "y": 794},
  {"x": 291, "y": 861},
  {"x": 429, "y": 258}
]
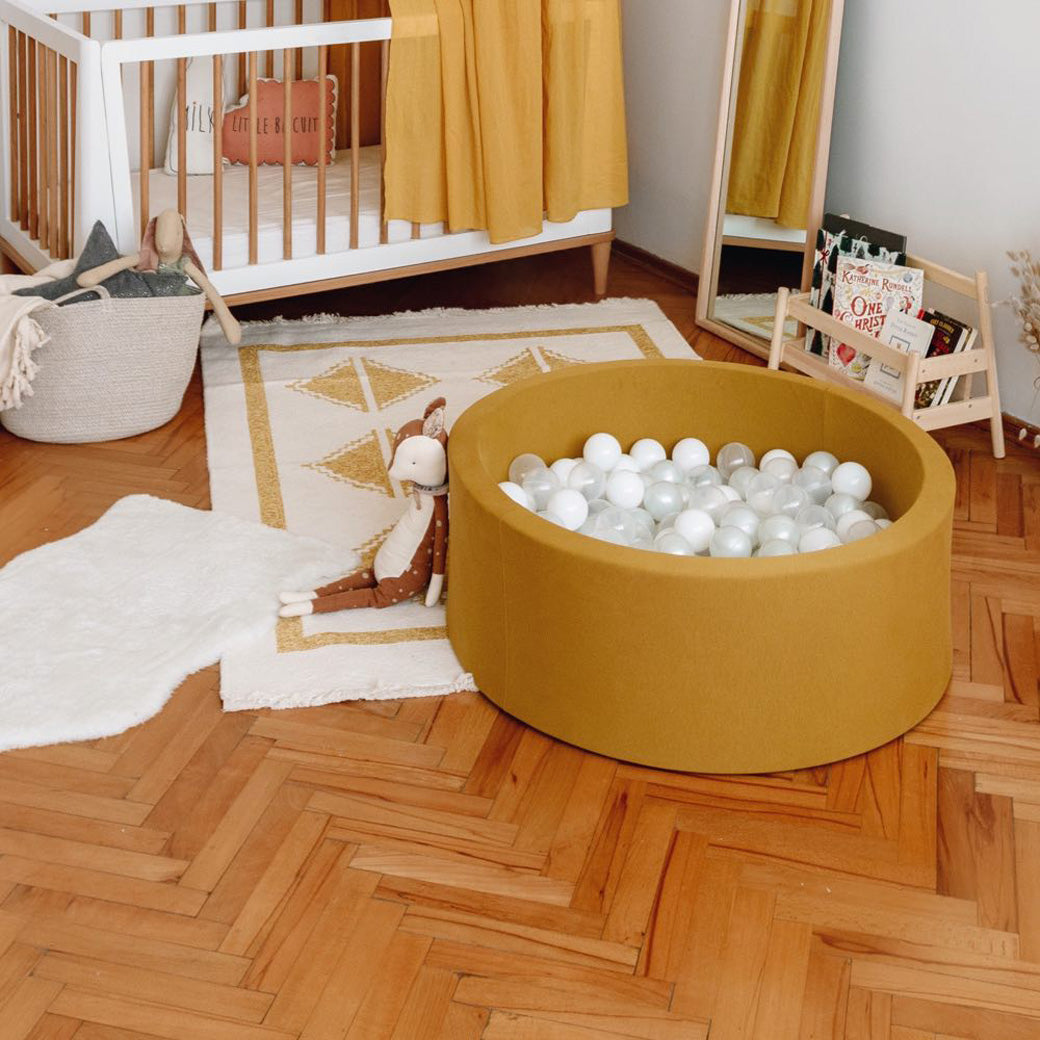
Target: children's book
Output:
[
  {"x": 864, "y": 292},
  {"x": 907, "y": 333},
  {"x": 841, "y": 236},
  {"x": 949, "y": 336}
]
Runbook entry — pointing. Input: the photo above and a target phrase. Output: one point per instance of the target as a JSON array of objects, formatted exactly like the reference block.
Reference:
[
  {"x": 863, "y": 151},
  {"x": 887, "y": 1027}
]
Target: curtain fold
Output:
[
  {"x": 500, "y": 114},
  {"x": 778, "y": 105}
]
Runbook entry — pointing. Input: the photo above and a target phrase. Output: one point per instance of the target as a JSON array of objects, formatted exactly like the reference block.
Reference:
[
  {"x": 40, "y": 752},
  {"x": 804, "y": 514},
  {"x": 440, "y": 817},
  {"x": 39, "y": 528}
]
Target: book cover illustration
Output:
[
  {"x": 841, "y": 236},
  {"x": 864, "y": 292},
  {"x": 907, "y": 333},
  {"x": 949, "y": 336}
]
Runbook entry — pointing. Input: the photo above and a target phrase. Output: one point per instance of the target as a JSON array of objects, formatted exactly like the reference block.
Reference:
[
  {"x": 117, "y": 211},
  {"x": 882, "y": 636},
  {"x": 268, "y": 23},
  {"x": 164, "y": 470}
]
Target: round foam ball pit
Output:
[{"x": 698, "y": 664}]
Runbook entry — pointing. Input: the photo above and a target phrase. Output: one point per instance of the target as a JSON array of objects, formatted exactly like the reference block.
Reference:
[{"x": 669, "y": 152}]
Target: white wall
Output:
[
  {"x": 936, "y": 134},
  {"x": 673, "y": 69}
]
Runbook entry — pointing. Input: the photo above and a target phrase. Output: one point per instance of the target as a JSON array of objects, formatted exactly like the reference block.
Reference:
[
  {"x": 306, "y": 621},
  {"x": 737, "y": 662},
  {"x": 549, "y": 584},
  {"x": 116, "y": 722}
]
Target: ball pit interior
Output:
[{"x": 697, "y": 664}]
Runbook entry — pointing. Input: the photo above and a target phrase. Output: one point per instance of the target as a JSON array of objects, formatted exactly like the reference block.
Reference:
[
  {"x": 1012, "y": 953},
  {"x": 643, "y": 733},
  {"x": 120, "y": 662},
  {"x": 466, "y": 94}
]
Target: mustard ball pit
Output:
[{"x": 689, "y": 663}]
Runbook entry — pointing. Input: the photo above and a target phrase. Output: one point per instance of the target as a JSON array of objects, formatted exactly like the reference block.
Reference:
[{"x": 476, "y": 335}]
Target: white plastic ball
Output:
[
  {"x": 524, "y": 464},
  {"x": 740, "y": 479},
  {"x": 540, "y": 485},
  {"x": 626, "y": 462},
  {"x": 731, "y": 493},
  {"x": 697, "y": 527},
  {"x": 761, "y": 492},
  {"x": 641, "y": 516},
  {"x": 562, "y": 468},
  {"x": 883, "y": 523},
  {"x": 846, "y": 520},
  {"x": 741, "y": 516},
  {"x": 839, "y": 503},
  {"x": 821, "y": 460},
  {"x": 589, "y": 479},
  {"x": 570, "y": 506},
  {"x": 853, "y": 479},
  {"x": 553, "y": 518},
  {"x": 709, "y": 498},
  {"x": 818, "y": 538},
  {"x": 690, "y": 453},
  {"x": 789, "y": 500},
  {"x": 624, "y": 489},
  {"x": 701, "y": 475},
  {"x": 673, "y": 543},
  {"x": 620, "y": 522},
  {"x": 779, "y": 528},
  {"x": 875, "y": 510},
  {"x": 860, "y": 530},
  {"x": 602, "y": 450},
  {"x": 668, "y": 471},
  {"x": 776, "y": 547},
  {"x": 782, "y": 468},
  {"x": 815, "y": 482},
  {"x": 812, "y": 517},
  {"x": 776, "y": 453},
  {"x": 517, "y": 494},
  {"x": 597, "y": 505},
  {"x": 662, "y": 498},
  {"x": 646, "y": 452},
  {"x": 730, "y": 542},
  {"x": 732, "y": 456}
]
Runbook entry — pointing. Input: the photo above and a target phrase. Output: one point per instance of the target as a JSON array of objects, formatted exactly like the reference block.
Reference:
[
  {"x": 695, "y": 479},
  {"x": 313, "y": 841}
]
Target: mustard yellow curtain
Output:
[
  {"x": 778, "y": 104},
  {"x": 500, "y": 114}
]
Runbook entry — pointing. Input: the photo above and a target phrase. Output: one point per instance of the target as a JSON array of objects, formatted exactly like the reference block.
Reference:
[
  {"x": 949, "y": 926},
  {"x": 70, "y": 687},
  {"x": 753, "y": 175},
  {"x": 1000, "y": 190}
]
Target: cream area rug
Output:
[
  {"x": 299, "y": 422},
  {"x": 98, "y": 629}
]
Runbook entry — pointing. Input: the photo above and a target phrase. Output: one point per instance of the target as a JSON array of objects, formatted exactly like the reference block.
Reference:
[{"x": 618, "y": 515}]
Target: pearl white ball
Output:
[
  {"x": 662, "y": 498},
  {"x": 782, "y": 468},
  {"x": 730, "y": 542},
  {"x": 589, "y": 479},
  {"x": 860, "y": 530},
  {"x": 851, "y": 478},
  {"x": 524, "y": 464},
  {"x": 646, "y": 451},
  {"x": 673, "y": 543},
  {"x": 761, "y": 492},
  {"x": 624, "y": 489},
  {"x": 812, "y": 517},
  {"x": 875, "y": 510},
  {"x": 779, "y": 528},
  {"x": 731, "y": 493},
  {"x": 667, "y": 471},
  {"x": 740, "y": 479},
  {"x": 846, "y": 521},
  {"x": 883, "y": 523},
  {"x": 626, "y": 462},
  {"x": 700, "y": 475},
  {"x": 562, "y": 468},
  {"x": 789, "y": 499},
  {"x": 776, "y": 453},
  {"x": 553, "y": 519},
  {"x": 602, "y": 450},
  {"x": 838, "y": 504},
  {"x": 517, "y": 494},
  {"x": 697, "y": 527},
  {"x": 821, "y": 460},
  {"x": 740, "y": 516},
  {"x": 816, "y": 539},
  {"x": 815, "y": 482},
  {"x": 711, "y": 499},
  {"x": 776, "y": 547},
  {"x": 732, "y": 456},
  {"x": 570, "y": 506},
  {"x": 689, "y": 453}
]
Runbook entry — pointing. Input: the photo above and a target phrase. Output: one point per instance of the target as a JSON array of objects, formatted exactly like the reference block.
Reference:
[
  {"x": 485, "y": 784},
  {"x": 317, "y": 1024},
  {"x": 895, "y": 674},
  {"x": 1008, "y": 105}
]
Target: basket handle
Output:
[{"x": 99, "y": 289}]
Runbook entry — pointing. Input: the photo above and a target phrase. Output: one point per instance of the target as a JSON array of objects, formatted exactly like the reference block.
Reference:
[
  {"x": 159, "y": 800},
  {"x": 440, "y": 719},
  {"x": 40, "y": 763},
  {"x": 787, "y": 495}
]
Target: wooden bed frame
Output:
[{"x": 73, "y": 70}]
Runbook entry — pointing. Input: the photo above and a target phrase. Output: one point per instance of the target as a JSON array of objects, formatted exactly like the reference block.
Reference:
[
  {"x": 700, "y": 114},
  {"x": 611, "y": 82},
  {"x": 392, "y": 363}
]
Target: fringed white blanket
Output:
[{"x": 20, "y": 335}]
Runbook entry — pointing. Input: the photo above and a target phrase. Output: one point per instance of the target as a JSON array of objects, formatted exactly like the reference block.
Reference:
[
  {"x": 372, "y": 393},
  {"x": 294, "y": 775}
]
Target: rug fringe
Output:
[{"x": 377, "y": 691}]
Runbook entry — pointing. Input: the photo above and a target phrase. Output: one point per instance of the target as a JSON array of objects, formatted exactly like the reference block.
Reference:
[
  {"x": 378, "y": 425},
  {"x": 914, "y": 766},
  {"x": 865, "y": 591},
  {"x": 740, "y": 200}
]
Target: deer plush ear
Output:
[{"x": 433, "y": 418}]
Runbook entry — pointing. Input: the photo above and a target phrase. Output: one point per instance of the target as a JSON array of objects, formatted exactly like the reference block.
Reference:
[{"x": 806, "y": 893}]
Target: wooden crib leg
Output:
[{"x": 601, "y": 266}]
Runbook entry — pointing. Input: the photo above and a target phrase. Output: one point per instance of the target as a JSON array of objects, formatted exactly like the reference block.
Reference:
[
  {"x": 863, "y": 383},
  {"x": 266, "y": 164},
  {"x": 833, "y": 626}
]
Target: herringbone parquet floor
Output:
[{"x": 434, "y": 869}]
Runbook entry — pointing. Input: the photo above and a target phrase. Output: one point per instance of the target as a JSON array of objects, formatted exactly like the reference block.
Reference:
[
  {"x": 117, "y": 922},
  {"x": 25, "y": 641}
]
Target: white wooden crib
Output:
[{"x": 89, "y": 85}]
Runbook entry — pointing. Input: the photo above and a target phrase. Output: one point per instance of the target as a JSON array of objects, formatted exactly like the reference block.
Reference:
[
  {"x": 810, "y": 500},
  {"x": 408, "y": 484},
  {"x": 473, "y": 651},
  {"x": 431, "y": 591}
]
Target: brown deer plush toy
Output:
[{"x": 413, "y": 556}]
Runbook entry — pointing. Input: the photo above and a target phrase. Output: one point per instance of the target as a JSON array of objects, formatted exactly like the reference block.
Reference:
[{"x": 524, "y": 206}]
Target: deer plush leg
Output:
[
  {"x": 299, "y": 604},
  {"x": 388, "y": 592}
]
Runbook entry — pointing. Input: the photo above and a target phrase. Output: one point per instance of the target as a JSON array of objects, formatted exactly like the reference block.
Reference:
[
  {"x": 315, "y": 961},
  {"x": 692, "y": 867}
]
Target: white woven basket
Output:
[{"x": 113, "y": 368}]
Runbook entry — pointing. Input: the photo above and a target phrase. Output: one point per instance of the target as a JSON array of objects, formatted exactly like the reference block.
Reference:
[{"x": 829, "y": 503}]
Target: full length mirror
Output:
[{"x": 770, "y": 163}]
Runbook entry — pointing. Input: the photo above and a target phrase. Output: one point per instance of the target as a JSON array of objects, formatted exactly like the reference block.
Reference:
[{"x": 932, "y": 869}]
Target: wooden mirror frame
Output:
[{"x": 723, "y": 147}]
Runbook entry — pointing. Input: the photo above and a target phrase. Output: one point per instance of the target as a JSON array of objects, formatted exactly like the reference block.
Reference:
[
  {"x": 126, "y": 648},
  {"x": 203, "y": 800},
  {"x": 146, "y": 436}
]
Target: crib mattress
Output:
[{"x": 163, "y": 195}]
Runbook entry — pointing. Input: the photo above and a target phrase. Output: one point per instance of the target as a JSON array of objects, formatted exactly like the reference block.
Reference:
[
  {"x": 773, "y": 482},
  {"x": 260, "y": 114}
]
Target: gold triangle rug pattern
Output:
[{"x": 299, "y": 424}]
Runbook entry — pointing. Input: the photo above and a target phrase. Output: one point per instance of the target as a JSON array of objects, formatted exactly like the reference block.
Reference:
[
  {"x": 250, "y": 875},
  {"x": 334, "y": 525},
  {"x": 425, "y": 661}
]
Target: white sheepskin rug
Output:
[{"x": 97, "y": 630}]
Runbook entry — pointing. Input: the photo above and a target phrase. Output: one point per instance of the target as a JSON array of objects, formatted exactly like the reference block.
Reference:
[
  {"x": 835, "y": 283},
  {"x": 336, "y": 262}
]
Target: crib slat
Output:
[
  {"x": 355, "y": 142},
  {"x": 73, "y": 139},
  {"x": 23, "y": 133},
  {"x": 150, "y": 113},
  {"x": 182, "y": 136},
  {"x": 253, "y": 193},
  {"x": 323, "y": 66},
  {"x": 85, "y": 25},
  {"x": 117, "y": 23},
  {"x": 298, "y": 17},
  {"x": 287, "y": 83},
  {"x": 34, "y": 184},
  {"x": 52, "y": 151},
  {"x": 242, "y": 60},
  {"x": 218, "y": 161},
  {"x": 182, "y": 19},
  {"x": 65, "y": 247},
  {"x": 270, "y": 54},
  {"x": 212, "y": 17},
  {"x": 144, "y": 179},
  {"x": 43, "y": 227},
  {"x": 384, "y": 227},
  {"x": 12, "y": 114}
]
